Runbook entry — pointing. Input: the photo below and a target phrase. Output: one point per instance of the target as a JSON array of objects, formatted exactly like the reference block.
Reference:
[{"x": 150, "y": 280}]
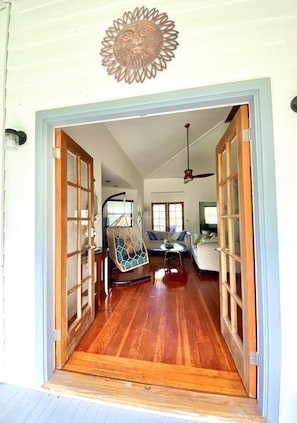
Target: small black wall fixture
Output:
[
  {"x": 294, "y": 104},
  {"x": 14, "y": 138}
]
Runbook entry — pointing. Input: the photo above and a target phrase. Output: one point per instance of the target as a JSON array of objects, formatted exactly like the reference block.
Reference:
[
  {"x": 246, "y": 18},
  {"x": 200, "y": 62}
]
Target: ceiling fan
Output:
[{"x": 189, "y": 172}]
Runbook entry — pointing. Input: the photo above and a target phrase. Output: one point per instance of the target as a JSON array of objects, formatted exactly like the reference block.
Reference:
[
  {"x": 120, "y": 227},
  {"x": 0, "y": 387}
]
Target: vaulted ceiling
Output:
[{"x": 156, "y": 145}]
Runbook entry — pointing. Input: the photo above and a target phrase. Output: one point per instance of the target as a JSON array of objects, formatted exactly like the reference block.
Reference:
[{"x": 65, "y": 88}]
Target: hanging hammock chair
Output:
[{"x": 126, "y": 247}]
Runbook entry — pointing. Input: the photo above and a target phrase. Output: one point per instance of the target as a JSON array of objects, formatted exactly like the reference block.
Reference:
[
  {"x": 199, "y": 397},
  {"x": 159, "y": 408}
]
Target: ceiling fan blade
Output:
[{"x": 203, "y": 175}]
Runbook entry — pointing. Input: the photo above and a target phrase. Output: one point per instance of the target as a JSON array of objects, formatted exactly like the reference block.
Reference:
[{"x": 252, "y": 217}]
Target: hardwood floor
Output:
[{"x": 162, "y": 332}]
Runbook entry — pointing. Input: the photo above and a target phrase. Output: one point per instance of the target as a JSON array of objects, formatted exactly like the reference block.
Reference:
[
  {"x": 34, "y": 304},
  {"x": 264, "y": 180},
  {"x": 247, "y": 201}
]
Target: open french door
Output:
[
  {"x": 237, "y": 280},
  {"x": 74, "y": 241}
]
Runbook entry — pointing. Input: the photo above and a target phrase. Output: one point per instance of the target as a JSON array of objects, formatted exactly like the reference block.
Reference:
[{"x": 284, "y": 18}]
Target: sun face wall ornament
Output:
[{"x": 138, "y": 45}]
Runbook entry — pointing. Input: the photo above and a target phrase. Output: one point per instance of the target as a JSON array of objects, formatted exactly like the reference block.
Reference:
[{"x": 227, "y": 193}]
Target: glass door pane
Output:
[
  {"x": 237, "y": 287},
  {"x": 74, "y": 241}
]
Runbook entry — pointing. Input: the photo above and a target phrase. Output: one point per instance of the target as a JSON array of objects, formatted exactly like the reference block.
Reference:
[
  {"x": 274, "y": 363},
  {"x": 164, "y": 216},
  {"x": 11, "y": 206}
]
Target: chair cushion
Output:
[
  {"x": 133, "y": 260},
  {"x": 119, "y": 242},
  {"x": 120, "y": 250}
]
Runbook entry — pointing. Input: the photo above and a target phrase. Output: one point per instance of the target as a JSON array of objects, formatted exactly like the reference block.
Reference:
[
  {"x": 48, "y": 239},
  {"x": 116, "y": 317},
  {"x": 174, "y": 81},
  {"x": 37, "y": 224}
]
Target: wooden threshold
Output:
[
  {"x": 153, "y": 373},
  {"x": 159, "y": 399}
]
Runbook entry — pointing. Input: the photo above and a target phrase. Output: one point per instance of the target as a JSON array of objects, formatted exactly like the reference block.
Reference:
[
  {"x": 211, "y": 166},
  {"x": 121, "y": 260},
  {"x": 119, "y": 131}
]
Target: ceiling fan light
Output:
[{"x": 188, "y": 176}]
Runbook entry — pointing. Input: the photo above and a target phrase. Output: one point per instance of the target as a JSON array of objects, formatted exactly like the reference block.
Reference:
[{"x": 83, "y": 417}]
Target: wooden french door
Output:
[
  {"x": 237, "y": 281},
  {"x": 74, "y": 245}
]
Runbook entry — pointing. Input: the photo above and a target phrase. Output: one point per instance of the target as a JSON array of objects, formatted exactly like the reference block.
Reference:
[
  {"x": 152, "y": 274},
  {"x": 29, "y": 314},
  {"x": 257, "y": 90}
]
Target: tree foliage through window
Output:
[{"x": 116, "y": 208}]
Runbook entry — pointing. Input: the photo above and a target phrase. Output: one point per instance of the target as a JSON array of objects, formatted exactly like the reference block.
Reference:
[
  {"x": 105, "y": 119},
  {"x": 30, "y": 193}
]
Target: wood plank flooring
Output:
[{"x": 164, "y": 332}]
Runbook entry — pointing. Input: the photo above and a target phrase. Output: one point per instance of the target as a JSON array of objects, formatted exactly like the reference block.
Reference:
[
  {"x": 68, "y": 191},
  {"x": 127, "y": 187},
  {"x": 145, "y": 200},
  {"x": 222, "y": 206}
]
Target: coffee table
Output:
[{"x": 172, "y": 257}]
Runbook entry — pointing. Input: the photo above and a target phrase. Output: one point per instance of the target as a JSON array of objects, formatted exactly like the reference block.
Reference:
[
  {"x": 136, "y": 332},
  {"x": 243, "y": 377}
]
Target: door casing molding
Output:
[{"x": 257, "y": 93}]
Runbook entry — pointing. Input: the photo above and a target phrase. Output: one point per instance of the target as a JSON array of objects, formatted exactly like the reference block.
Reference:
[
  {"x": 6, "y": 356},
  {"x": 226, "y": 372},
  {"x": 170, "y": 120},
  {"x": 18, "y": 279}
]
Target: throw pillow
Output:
[
  {"x": 182, "y": 235},
  {"x": 174, "y": 236},
  {"x": 209, "y": 240},
  {"x": 202, "y": 238},
  {"x": 153, "y": 236},
  {"x": 198, "y": 239},
  {"x": 206, "y": 238},
  {"x": 129, "y": 246}
]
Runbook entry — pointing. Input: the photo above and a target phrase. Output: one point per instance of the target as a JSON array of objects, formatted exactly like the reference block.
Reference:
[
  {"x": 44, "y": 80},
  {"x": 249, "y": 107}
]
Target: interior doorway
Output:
[{"x": 265, "y": 263}]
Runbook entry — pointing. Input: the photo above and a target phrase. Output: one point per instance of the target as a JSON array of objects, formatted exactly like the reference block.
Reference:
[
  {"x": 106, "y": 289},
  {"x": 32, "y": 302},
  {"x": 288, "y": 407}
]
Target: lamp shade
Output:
[
  {"x": 14, "y": 138},
  {"x": 11, "y": 139}
]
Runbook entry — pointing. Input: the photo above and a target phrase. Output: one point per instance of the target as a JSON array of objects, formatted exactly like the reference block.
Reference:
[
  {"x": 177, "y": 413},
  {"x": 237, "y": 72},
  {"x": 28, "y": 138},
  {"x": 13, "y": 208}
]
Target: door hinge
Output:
[
  {"x": 56, "y": 335},
  {"x": 56, "y": 153},
  {"x": 246, "y": 135},
  {"x": 254, "y": 358}
]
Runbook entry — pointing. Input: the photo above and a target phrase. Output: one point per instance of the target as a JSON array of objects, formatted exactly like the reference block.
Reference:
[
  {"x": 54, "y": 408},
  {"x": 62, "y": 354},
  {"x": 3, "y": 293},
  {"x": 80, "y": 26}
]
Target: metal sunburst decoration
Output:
[{"x": 138, "y": 45}]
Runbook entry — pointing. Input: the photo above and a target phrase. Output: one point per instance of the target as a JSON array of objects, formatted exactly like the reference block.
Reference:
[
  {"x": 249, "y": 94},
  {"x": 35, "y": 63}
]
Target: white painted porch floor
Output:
[{"x": 20, "y": 405}]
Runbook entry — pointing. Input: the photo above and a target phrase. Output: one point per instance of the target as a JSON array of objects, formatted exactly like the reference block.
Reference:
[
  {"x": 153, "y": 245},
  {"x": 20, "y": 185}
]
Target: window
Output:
[
  {"x": 115, "y": 208},
  {"x": 168, "y": 217},
  {"x": 208, "y": 215}
]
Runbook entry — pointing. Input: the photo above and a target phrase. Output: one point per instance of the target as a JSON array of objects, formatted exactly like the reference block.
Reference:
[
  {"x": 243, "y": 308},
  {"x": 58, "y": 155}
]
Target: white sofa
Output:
[
  {"x": 171, "y": 236},
  {"x": 204, "y": 252}
]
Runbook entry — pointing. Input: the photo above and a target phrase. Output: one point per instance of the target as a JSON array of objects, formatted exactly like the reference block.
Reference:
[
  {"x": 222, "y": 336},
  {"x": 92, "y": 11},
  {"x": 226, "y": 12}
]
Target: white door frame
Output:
[{"x": 257, "y": 93}]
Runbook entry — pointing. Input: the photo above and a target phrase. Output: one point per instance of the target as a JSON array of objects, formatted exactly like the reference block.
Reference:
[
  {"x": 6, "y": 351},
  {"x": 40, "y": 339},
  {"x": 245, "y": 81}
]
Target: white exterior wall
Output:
[{"x": 54, "y": 61}]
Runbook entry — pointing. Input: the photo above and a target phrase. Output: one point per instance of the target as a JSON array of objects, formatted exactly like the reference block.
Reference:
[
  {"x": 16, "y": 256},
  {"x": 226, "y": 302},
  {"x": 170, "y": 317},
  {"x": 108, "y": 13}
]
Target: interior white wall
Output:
[
  {"x": 99, "y": 143},
  {"x": 54, "y": 62},
  {"x": 175, "y": 190}
]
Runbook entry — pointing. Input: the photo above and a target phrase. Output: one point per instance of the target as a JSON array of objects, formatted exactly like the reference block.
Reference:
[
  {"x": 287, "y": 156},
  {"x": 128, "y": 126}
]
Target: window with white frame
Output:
[{"x": 117, "y": 208}]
